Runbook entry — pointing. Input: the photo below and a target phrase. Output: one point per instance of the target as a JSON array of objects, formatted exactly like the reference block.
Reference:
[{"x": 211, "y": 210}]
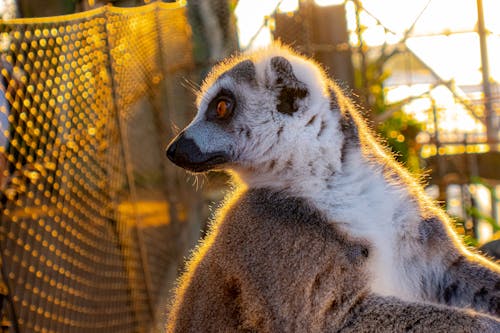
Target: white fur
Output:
[
  {"x": 356, "y": 193},
  {"x": 365, "y": 204}
]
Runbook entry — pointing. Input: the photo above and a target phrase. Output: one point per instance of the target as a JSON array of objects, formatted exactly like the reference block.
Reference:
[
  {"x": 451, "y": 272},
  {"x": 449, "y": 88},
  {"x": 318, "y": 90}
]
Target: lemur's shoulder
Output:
[
  {"x": 269, "y": 210},
  {"x": 277, "y": 225},
  {"x": 274, "y": 264}
]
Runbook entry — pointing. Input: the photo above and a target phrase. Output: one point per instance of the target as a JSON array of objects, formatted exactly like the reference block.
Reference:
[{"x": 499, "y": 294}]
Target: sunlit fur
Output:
[
  {"x": 271, "y": 263},
  {"x": 352, "y": 180},
  {"x": 200, "y": 252}
]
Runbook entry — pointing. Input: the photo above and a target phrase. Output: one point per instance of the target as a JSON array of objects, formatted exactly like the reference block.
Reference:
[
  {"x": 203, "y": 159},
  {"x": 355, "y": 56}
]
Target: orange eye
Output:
[{"x": 222, "y": 109}]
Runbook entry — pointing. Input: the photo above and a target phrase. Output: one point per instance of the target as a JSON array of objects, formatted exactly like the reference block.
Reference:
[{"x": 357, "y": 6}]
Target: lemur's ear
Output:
[
  {"x": 290, "y": 88},
  {"x": 244, "y": 72}
]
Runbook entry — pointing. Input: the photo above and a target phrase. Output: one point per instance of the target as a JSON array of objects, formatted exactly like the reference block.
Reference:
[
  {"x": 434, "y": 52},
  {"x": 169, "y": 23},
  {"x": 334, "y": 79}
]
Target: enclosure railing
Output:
[{"x": 87, "y": 205}]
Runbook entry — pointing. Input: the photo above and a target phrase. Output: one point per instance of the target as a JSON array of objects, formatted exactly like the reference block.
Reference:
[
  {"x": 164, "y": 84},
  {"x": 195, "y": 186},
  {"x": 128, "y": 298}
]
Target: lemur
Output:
[{"x": 275, "y": 120}]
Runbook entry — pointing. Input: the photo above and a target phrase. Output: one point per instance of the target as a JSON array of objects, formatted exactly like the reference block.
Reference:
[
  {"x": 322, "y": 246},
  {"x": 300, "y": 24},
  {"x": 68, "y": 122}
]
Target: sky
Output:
[{"x": 444, "y": 38}]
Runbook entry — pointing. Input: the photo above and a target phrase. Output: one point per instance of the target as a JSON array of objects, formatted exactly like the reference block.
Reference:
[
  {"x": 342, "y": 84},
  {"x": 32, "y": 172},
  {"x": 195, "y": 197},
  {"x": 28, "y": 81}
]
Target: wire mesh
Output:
[{"x": 85, "y": 213}]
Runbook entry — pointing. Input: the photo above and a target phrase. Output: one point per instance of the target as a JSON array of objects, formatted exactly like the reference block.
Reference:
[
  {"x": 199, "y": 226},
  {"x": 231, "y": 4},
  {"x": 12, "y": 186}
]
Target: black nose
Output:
[
  {"x": 185, "y": 153},
  {"x": 172, "y": 147}
]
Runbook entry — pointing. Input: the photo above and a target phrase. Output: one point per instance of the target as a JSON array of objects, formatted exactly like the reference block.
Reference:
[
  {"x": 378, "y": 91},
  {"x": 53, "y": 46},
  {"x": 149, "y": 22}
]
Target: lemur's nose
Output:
[
  {"x": 172, "y": 148},
  {"x": 184, "y": 152}
]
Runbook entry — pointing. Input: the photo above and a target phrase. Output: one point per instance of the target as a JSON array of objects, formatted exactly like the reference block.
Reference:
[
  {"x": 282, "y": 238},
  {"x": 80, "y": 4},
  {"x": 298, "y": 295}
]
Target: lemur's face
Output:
[{"x": 256, "y": 116}]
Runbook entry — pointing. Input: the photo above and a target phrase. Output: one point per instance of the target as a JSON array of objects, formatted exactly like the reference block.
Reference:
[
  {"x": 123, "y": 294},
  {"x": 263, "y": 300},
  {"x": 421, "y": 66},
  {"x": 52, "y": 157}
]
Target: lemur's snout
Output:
[{"x": 185, "y": 153}]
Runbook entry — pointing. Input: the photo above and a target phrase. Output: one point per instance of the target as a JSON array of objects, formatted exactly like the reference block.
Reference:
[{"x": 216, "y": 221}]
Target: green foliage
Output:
[
  {"x": 470, "y": 241},
  {"x": 400, "y": 131},
  {"x": 476, "y": 213}
]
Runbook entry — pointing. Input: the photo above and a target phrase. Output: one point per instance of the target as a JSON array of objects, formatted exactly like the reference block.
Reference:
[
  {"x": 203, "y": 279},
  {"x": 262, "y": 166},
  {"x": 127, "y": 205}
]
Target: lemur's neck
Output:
[
  {"x": 339, "y": 178},
  {"x": 365, "y": 203},
  {"x": 361, "y": 196},
  {"x": 366, "y": 196}
]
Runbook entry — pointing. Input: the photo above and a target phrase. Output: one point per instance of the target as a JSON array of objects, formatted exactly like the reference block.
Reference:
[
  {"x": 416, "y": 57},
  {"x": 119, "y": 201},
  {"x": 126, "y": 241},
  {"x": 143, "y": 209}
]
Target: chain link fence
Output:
[{"x": 93, "y": 222}]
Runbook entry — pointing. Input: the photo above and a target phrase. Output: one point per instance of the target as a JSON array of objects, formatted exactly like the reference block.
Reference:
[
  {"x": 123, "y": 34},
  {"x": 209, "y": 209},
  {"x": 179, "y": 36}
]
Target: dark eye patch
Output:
[{"x": 225, "y": 98}]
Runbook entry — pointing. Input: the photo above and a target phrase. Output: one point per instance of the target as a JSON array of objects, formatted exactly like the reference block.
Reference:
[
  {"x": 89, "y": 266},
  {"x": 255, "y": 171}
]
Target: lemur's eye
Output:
[{"x": 224, "y": 108}]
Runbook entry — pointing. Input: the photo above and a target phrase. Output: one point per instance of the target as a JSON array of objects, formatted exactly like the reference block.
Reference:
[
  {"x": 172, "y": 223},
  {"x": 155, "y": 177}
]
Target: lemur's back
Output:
[
  {"x": 279, "y": 260},
  {"x": 300, "y": 266},
  {"x": 272, "y": 264}
]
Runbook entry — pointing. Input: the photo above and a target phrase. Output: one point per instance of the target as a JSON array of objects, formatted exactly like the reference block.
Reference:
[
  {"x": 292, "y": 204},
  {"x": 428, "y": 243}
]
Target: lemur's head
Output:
[{"x": 271, "y": 113}]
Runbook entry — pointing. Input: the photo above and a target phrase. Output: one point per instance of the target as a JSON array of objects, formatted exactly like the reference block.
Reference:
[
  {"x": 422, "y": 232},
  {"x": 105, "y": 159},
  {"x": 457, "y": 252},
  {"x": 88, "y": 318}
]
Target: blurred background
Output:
[{"x": 95, "y": 224}]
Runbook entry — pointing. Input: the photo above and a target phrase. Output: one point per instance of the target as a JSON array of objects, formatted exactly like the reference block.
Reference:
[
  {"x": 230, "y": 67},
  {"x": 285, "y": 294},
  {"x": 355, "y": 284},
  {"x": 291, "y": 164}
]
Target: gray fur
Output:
[
  {"x": 347, "y": 126},
  {"x": 334, "y": 105},
  {"x": 243, "y": 72},
  {"x": 284, "y": 72},
  {"x": 464, "y": 283},
  {"x": 322, "y": 128},
  {"x": 272, "y": 263},
  {"x": 208, "y": 137}
]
